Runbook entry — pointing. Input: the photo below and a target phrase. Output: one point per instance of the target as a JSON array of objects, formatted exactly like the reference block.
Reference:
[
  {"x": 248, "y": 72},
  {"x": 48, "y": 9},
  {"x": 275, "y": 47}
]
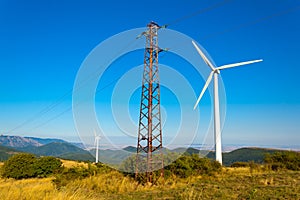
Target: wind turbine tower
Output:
[
  {"x": 96, "y": 143},
  {"x": 215, "y": 72},
  {"x": 149, "y": 145}
]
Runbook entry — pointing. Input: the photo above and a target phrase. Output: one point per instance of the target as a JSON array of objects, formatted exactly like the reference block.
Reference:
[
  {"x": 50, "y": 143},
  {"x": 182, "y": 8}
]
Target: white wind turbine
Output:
[
  {"x": 96, "y": 143},
  {"x": 215, "y": 72}
]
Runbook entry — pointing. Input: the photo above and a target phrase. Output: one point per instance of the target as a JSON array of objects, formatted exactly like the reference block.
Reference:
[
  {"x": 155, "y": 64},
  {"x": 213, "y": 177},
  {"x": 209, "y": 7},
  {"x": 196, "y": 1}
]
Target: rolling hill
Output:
[
  {"x": 244, "y": 155},
  {"x": 59, "y": 149},
  {"x": 10, "y": 145},
  {"x": 6, "y": 152}
]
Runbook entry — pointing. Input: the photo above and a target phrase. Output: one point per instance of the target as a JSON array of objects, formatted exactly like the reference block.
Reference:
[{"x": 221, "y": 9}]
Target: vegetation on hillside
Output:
[
  {"x": 283, "y": 160},
  {"x": 189, "y": 177},
  {"x": 244, "y": 155},
  {"x": 193, "y": 165},
  {"x": 25, "y": 165},
  {"x": 230, "y": 183},
  {"x": 6, "y": 152}
]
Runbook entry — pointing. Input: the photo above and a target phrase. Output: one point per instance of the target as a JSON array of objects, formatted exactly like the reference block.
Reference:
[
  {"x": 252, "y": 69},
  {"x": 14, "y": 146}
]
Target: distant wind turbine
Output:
[
  {"x": 96, "y": 143},
  {"x": 215, "y": 72}
]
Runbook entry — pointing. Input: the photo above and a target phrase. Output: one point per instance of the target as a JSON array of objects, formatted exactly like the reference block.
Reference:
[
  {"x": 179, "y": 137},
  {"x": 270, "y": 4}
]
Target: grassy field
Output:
[{"x": 231, "y": 183}]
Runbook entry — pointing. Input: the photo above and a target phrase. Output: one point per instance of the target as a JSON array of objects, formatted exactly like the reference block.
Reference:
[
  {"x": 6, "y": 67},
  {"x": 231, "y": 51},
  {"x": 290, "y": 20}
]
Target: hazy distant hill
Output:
[
  {"x": 85, "y": 156},
  {"x": 116, "y": 156},
  {"x": 54, "y": 149},
  {"x": 6, "y": 152},
  {"x": 186, "y": 150},
  {"x": 112, "y": 156},
  {"x": 45, "y": 140},
  {"x": 63, "y": 149},
  {"x": 240, "y": 155},
  {"x": 244, "y": 155}
]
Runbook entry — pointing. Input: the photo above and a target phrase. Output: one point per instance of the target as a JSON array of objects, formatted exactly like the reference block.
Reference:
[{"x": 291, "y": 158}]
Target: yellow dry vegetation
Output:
[
  {"x": 25, "y": 189},
  {"x": 38, "y": 189},
  {"x": 231, "y": 183},
  {"x": 70, "y": 164}
]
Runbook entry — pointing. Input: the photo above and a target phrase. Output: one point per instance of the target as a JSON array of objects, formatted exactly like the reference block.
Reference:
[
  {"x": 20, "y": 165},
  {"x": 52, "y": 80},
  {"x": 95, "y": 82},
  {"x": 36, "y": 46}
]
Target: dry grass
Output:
[
  {"x": 26, "y": 189},
  {"x": 39, "y": 189},
  {"x": 232, "y": 183},
  {"x": 70, "y": 164}
]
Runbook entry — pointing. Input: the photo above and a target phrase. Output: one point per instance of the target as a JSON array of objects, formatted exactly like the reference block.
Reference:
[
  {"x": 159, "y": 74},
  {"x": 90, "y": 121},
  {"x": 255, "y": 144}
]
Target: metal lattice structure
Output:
[{"x": 149, "y": 147}]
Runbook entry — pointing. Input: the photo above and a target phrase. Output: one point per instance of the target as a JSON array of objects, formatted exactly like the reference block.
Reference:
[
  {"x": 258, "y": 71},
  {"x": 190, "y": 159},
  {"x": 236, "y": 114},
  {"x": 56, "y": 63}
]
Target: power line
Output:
[
  {"x": 40, "y": 113},
  {"x": 251, "y": 23},
  {"x": 70, "y": 107},
  {"x": 94, "y": 74},
  {"x": 50, "y": 107},
  {"x": 201, "y": 11}
]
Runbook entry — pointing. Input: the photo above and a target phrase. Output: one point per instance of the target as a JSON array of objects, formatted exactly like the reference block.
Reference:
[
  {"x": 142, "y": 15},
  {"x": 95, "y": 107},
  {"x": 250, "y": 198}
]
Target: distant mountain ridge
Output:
[
  {"x": 10, "y": 145},
  {"x": 20, "y": 142},
  {"x": 17, "y": 141},
  {"x": 45, "y": 140}
]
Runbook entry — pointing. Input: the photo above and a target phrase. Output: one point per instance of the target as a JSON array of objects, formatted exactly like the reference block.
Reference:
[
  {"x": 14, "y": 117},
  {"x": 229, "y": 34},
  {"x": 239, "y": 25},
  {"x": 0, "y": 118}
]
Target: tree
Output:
[
  {"x": 188, "y": 165},
  {"x": 19, "y": 166},
  {"x": 47, "y": 165},
  {"x": 284, "y": 160},
  {"x": 26, "y": 165}
]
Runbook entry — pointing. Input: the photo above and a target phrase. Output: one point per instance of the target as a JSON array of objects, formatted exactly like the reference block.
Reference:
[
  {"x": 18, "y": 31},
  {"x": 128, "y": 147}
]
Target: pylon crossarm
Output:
[{"x": 158, "y": 147}]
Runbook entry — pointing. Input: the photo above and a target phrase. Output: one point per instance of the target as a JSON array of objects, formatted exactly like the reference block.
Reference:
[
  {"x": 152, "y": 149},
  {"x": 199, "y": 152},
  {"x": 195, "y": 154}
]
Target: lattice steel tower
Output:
[{"x": 149, "y": 145}]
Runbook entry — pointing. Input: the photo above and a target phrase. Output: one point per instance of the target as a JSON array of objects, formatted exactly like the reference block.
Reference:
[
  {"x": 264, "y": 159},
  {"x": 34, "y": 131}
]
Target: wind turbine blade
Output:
[
  {"x": 238, "y": 64},
  {"x": 204, "y": 89},
  {"x": 206, "y": 60}
]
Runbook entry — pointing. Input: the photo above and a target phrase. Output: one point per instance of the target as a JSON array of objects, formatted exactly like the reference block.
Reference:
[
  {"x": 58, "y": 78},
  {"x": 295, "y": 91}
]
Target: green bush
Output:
[
  {"x": 26, "y": 165},
  {"x": 19, "y": 166},
  {"x": 74, "y": 173},
  {"x": 186, "y": 166},
  {"x": 239, "y": 164},
  {"x": 128, "y": 165},
  {"x": 277, "y": 166},
  {"x": 46, "y": 165},
  {"x": 283, "y": 160}
]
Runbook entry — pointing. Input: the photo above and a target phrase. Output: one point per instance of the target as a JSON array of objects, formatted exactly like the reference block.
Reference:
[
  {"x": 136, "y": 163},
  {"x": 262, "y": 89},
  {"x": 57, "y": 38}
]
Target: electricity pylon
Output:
[{"x": 149, "y": 145}]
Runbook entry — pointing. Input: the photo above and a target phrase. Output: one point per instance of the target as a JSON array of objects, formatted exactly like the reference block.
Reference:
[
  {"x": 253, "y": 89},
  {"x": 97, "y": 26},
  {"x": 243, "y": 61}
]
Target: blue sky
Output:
[{"x": 43, "y": 43}]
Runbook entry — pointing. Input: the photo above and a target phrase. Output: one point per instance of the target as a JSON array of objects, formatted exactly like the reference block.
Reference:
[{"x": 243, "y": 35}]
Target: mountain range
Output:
[
  {"x": 10, "y": 145},
  {"x": 20, "y": 142}
]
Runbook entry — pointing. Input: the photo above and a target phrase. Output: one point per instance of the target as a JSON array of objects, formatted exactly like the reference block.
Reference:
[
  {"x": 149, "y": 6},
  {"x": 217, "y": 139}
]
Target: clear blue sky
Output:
[{"x": 43, "y": 43}]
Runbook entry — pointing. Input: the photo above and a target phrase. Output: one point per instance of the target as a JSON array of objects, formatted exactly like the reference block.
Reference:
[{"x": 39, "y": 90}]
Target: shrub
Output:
[
  {"x": 277, "y": 166},
  {"x": 45, "y": 166},
  {"x": 239, "y": 164},
  {"x": 128, "y": 165},
  {"x": 26, "y": 165},
  {"x": 70, "y": 174},
  {"x": 284, "y": 160},
  {"x": 192, "y": 165},
  {"x": 19, "y": 166}
]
